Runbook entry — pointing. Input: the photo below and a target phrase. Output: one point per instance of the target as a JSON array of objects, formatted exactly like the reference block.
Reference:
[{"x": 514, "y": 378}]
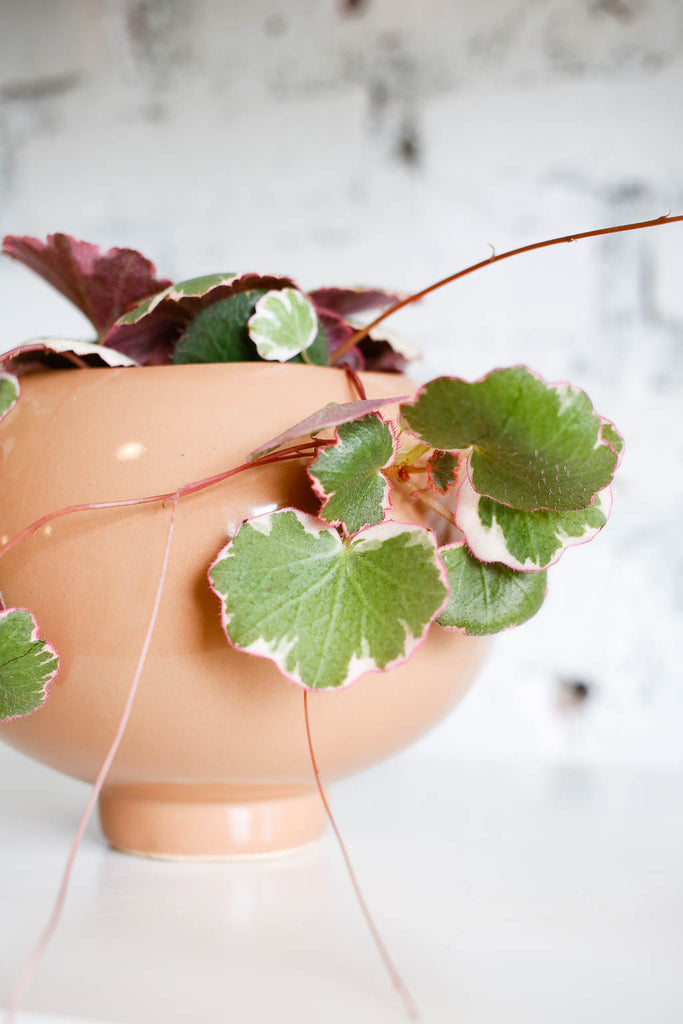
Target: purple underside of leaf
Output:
[
  {"x": 103, "y": 285},
  {"x": 42, "y": 353},
  {"x": 151, "y": 339},
  {"x": 331, "y": 415},
  {"x": 375, "y": 353},
  {"x": 350, "y": 301}
]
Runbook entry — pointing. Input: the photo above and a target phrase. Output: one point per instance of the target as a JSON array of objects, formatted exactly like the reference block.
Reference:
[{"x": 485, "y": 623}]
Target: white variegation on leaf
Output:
[
  {"x": 27, "y": 664},
  {"x": 323, "y": 609},
  {"x": 9, "y": 393},
  {"x": 486, "y": 598},
  {"x": 284, "y": 324},
  {"x": 84, "y": 349},
  {"x": 526, "y": 541}
]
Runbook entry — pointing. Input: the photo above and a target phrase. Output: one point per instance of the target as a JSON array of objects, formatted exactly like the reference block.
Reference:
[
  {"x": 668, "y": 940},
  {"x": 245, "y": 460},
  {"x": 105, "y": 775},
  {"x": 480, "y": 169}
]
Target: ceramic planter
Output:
[{"x": 214, "y": 761}]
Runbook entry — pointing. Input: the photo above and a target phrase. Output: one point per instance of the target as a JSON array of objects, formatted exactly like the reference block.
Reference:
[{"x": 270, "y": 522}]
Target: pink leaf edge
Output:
[
  {"x": 391, "y": 527},
  {"x": 103, "y": 285},
  {"x": 331, "y": 415},
  {"x": 387, "y": 504},
  {"x": 35, "y": 637}
]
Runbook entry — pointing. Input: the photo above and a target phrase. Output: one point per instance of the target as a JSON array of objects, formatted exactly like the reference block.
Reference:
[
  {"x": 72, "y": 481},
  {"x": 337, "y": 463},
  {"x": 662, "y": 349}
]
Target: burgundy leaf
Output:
[
  {"x": 329, "y": 416},
  {"x": 338, "y": 331},
  {"x": 103, "y": 285},
  {"x": 150, "y": 334},
  {"x": 348, "y": 301}
]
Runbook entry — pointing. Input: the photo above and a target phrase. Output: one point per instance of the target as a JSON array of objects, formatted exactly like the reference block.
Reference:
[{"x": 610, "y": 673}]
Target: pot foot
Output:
[{"x": 210, "y": 822}]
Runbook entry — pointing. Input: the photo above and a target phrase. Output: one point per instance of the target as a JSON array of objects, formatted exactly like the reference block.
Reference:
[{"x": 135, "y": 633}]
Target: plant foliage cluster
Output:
[{"x": 517, "y": 470}]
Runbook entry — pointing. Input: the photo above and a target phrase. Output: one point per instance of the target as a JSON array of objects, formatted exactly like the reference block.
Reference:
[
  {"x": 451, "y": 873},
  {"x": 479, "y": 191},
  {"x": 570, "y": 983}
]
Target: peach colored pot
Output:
[{"x": 214, "y": 761}]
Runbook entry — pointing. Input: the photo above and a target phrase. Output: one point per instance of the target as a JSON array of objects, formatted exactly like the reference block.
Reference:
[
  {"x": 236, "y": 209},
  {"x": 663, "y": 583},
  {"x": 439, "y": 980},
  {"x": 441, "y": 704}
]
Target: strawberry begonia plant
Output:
[{"x": 517, "y": 469}]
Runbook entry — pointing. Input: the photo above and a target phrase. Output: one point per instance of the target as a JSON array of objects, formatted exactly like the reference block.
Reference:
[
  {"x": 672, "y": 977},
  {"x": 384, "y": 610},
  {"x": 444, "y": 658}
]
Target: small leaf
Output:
[
  {"x": 9, "y": 393},
  {"x": 27, "y": 664},
  {"x": 330, "y": 415},
  {"x": 442, "y": 471},
  {"x": 535, "y": 445},
  {"x": 327, "y": 611},
  {"x": 283, "y": 325},
  {"x": 48, "y": 352},
  {"x": 348, "y": 475},
  {"x": 350, "y": 301},
  {"x": 525, "y": 540},
  {"x": 149, "y": 332},
  {"x": 487, "y": 597},
  {"x": 101, "y": 284},
  {"x": 219, "y": 334}
]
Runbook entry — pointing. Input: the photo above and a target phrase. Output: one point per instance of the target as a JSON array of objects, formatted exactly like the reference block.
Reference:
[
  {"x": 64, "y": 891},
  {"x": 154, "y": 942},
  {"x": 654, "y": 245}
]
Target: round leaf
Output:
[
  {"x": 348, "y": 474},
  {"x": 284, "y": 324},
  {"x": 487, "y": 597},
  {"x": 327, "y": 611},
  {"x": 27, "y": 664},
  {"x": 525, "y": 540},
  {"x": 534, "y": 445}
]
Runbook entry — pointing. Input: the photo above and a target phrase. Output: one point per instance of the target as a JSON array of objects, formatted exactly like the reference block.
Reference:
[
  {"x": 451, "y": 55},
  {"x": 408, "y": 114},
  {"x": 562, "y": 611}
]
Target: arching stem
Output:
[
  {"x": 287, "y": 454},
  {"x": 360, "y": 334},
  {"x": 409, "y": 1004},
  {"x": 24, "y": 979}
]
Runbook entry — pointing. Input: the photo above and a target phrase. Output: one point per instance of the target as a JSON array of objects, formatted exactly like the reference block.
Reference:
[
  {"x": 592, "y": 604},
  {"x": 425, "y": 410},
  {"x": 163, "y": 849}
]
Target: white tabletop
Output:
[{"x": 506, "y": 893}]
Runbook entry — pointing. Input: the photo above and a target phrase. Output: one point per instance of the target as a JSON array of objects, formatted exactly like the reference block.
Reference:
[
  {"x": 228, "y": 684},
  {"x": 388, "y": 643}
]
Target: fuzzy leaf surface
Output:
[
  {"x": 534, "y": 445},
  {"x": 330, "y": 415},
  {"x": 149, "y": 332},
  {"x": 442, "y": 471},
  {"x": 103, "y": 285},
  {"x": 327, "y": 611},
  {"x": 9, "y": 393},
  {"x": 348, "y": 475},
  {"x": 27, "y": 664},
  {"x": 485, "y": 597},
  {"x": 219, "y": 333},
  {"x": 527, "y": 541},
  {"x": 283, "y": 325}
]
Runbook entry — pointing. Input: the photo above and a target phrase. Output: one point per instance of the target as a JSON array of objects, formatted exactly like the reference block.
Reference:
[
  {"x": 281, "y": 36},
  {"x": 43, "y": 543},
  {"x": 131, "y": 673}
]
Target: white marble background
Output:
[{"x": 390, "y": 142}]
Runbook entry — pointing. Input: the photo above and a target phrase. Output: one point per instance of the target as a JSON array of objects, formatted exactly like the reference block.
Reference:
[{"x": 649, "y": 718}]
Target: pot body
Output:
[{"x": 212, "y": 728}]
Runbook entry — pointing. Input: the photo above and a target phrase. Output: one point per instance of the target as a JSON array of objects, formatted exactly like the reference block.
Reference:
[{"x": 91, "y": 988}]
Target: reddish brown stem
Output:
[
  {"x": 356, "y": 382},
  {"x": 410, "y": 1007},
  {"x": 360, "y": 334},
  {"x": 287, "y": 454}
]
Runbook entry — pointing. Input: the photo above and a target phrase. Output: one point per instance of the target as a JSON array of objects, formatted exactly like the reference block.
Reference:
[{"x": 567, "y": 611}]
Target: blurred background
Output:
[{"x": 392, "y": 142}]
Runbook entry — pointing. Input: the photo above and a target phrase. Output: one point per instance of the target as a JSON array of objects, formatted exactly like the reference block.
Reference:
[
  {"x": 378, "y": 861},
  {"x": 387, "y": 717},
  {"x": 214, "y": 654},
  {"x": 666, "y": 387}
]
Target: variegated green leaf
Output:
[
  {"x": 9, "y": 393},
  {"x": 534, "y": 445},
  {"x": 442, "y": 471},
  {"x": 219, "y": 333},
  {"x": 487, "y": 597},
  {"x": 149, "y": 331},
  {"x": 27, "y": 664},
  {"x": 284, "y": 324},
  {"x": 348, "y": 475},
  {"x": 610, "y": 434},
  {"x": 328, "y": 610},
  {"x": 525, "y": 540}
]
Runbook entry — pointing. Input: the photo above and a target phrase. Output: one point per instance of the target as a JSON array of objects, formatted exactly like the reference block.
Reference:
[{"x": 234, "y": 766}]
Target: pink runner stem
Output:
[{"x": 29, "y": 969}]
